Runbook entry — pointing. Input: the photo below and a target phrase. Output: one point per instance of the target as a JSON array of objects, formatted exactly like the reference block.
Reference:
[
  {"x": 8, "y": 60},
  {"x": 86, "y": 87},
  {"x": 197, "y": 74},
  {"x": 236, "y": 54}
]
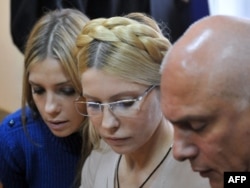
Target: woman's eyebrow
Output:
[
  {"x": 57, "y": 84},
  {"x": 114, "y": 97}
]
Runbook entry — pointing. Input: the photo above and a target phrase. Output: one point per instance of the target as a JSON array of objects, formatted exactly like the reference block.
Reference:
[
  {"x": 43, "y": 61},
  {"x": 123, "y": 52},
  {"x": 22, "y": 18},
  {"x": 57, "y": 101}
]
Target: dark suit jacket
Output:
[{"x": 174, "y": 15}]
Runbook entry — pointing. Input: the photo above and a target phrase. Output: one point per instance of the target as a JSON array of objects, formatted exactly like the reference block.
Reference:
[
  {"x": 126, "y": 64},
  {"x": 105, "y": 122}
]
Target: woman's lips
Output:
[
  {"x": 56, "y": 125},
  {"x": 115, "y": 140}
]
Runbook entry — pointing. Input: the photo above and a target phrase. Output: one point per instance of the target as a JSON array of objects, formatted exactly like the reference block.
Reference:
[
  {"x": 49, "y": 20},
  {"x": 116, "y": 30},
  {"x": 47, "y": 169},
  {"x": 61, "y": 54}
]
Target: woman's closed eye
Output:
[
  {"x": 68, "y": 91},
  {"x": 93, "y": 105},
  {"x": 124, "y": 103},
  {"x": 37, "y": 90}
]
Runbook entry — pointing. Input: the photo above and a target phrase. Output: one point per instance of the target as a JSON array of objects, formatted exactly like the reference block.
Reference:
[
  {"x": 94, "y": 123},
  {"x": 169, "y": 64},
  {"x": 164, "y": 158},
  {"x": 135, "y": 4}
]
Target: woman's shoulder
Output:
[
  {"x": 103, "y": 154},
  {"x": 99, "y": 168},
  {"x": 11, "y": 133},
  {"x": 12, "y": 130},
  {"x": 13, "y": 121},
  {"x": 172, "y": 171}
]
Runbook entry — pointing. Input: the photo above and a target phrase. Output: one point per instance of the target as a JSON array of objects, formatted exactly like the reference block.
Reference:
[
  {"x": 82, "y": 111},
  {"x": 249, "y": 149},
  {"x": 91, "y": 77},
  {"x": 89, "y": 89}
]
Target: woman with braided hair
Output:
[{"x": 119, "y": 60}]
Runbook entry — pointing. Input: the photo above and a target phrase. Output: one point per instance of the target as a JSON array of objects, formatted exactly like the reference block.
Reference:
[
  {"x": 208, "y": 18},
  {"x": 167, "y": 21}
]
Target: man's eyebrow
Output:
[{"x": 189, "y": 118}]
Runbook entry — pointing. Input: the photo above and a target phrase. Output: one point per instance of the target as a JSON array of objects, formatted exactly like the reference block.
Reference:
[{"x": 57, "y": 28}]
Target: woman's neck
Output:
[
  {"x": 152, "y": 151},
  {"x": 136, "y": 169}
]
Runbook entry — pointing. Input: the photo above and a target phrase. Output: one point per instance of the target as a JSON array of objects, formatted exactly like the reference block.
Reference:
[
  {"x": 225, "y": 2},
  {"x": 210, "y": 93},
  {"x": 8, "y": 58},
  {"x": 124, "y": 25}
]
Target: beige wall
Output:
[{"x": 11, "y": 64}]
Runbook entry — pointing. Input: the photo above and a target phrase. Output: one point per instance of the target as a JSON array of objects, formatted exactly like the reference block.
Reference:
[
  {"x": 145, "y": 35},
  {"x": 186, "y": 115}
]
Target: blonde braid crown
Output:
[{"x": 125, "y": 30}]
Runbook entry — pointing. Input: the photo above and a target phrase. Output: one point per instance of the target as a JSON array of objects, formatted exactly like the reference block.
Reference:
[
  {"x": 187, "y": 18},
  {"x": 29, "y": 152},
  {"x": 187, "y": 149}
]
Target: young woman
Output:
[
  {"x": 40, "y": 144},
  {"x": 119, "y": 61}
]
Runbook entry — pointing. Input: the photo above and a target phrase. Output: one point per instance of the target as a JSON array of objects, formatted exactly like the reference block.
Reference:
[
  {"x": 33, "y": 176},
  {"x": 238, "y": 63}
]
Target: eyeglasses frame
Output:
[{"x": 111, "y": 104}]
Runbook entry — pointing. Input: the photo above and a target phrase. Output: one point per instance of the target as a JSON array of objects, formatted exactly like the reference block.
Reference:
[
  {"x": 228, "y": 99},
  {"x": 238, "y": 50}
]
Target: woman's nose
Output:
[
  {"x": 51, "y": 104},
  {"x": 109, "y": 120}
]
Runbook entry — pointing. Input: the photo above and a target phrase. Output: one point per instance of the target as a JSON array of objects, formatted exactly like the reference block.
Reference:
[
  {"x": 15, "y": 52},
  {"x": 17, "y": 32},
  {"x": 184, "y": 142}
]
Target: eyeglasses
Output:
[{"x": 126, "y": 107}]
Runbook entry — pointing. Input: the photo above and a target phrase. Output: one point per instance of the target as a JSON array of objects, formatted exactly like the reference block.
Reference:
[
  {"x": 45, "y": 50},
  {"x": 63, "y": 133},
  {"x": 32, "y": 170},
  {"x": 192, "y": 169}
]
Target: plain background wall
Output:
[
  {"x": 11, "y": 64},
  {"x": 230, "y": 7}
]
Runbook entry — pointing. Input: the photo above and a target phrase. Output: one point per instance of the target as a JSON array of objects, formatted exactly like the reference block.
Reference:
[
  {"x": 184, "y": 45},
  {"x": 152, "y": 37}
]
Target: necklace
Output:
[{"x": 145, "y": 181}]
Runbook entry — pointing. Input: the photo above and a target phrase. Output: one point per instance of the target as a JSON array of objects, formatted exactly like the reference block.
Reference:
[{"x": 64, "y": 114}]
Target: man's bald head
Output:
[
  {"x": 215, "y": 49},
  {"x": 205, "y": 93}
]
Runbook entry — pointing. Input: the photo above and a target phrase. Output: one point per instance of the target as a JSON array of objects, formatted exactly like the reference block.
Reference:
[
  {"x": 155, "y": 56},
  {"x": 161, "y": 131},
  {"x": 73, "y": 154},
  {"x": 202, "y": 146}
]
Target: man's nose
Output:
[{"x": 183, "y": 147}]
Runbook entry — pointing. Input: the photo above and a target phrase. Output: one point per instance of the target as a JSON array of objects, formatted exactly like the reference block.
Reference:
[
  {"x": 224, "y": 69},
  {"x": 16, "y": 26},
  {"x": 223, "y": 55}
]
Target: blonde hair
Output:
[
  {"x": 130, "y": 47},
  {"x": 54, "y": 36}
]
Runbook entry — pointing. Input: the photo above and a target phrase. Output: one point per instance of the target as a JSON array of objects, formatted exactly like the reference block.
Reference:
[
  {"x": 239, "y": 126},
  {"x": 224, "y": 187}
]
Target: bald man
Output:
[{"x": 205, "y": 91}]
